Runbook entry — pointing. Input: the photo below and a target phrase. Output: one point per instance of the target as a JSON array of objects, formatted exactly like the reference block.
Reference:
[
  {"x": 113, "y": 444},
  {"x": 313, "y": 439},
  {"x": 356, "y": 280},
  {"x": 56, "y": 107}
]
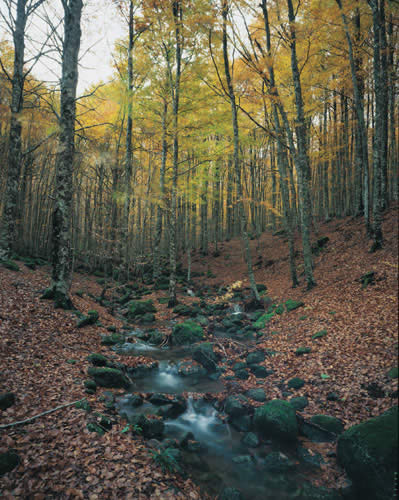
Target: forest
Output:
[{"x": 199, "y": 249}]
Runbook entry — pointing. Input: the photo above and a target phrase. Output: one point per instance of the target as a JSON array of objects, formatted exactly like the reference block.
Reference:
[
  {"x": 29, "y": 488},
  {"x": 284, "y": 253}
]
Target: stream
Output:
[{"x": 211, "y": 450}]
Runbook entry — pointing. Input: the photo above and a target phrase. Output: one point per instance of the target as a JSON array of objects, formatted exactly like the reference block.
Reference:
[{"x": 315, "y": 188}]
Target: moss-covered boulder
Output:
[
  {"x": 393, "y": 373},
  {"x": 139, "y": 308},
  {"x": 369, "y": 454},
  {"x": 147, "y": 318},
  {"x": 255, "y": 357},
  {"x": 331, "y": 424},
  {"x": 90, "y": 319},
  {"x": 261, "y": 322},
  {"x": 235, "y": 406},
  {"x": 97, "y": 359},
  {"x": 302, "y": 350},
  {"x": 256, "y": 395},
  {"x": 8, "y": 461},
  {"x": 291, "y": 305},
  {"x": 276, "y": 418},
  {"x": 187, "y": 333},
  {"x": 113, "y": 339},
  {"x": 230, "y": 494},
  {"x": 296, "y": 383},
  {"x": 108, "y": 377},
  {"x": 7, "y": 399},
  {"x": 299, "y": 403}
]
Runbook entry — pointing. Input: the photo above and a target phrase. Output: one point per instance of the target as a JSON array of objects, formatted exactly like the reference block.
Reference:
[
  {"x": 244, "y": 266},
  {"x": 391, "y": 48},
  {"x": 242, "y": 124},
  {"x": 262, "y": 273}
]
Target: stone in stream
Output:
[
  {"x": 132, "y": 400},
  {"x": 276, "y": 418},
  {"x": 204, "y": 354},
  {"x": 158, "y": 399},
  {"x": 7, "y": 399},
  {"x": 234, "y": 406},
  {"x": 369, "y": 454},
  {"x": 190, "y": 369},
  {"x": 230, "y": 494},
  {"x": 150, "y": 428},
  {"x": 141, "y": 371},
  {"x": 108, "y": 377},
  {"x": 250, "y": 439},
  {"x": 278, "y": 462}
]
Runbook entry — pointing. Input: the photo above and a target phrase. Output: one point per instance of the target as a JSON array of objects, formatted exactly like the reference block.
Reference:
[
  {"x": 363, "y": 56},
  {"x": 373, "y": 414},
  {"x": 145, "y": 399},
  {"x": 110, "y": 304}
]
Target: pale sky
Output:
[{"x": 102, "y": 25}]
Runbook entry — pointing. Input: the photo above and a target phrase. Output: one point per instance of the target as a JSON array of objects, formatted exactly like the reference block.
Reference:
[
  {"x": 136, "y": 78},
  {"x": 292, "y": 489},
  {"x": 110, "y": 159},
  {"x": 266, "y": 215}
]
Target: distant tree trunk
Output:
[
  {"x": 62, "y": 257},
  {"x": 177, "y": 16},
  {"x": 303, "y": 170},
  {"x": 158, "y": 229},
  {"x": 236, "y": 159},
  {"x": 7, "y": 229}
]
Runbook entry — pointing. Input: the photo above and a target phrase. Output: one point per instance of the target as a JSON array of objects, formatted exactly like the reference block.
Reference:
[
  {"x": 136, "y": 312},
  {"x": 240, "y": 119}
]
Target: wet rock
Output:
[
  {"x": 173, "y": 410},
  {"x": 7, "y": 399},
  {"x": 250, "y": 439},
  {"x": 235, "y": 406},
  {"x": 187, "y": 333},
  {"x": 108, "y": 377},
  {"x": 296, "y": 383},
  {"x": 256, "y": 394},
  {"x": 278, "y": 462},
  {"x": 189, "y": 369},
  {"x": 299, "y": 403},
  {"x": 255, "y": 357},
  {"x": 8, "y": 461},
  {"x": 132, "y": 400},
  {"x": 276, "y": 418},
  {"x": 150, "y": 427},
  {"x": 369, "y": 454},
  {"x": 314, "y": 458},
  {"x": 230, "y": 494},
  {"x": 239, "y": 366},
  {"x": 155, "y": 337},
  {"x": 113, "y": 339},
  {"x": 159, "y": 399},
  {"x": 245, "y": 460},
  {"x": 141, "y": 371},
  {"x": 242, "y": 423},
  {"x": 205, "y": 355}
]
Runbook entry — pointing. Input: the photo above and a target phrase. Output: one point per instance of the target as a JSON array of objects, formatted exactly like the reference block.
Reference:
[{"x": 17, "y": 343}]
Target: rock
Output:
[
  {"x": 8, "y": 461},
  {"x": 256, "y": 394},
  {"x": 314, "y": 458},
  {"x": 230, "y": 494},
  {"x": 90, "y": 386},
  {"x": 299, "y": 403},
  {"x": 9, "y": 264},
  {"x": 242, "y": 374},
  {"x": 255, "y": 357},
  {"x": 243, "y": 460},
  {"x": 331, "y": 424},
  {"x": 187, "y": 333},
  {"x": 7, "y": 399},
  {"x": 393, "y": 373},
  {"x": 250, "y": 439},
  {"x": 332, "y": 396},
  {"x": 291, "y": 305},
  {"x": 204, "y": 355},
  {"x": 147, "y": 318},
  {"x": 242, "y": 423},
  {"x": 184, "y": 310},
  {"x": 276, "y": 418},
  {"x": 261, "y": 322},
  {"x": 369, "y": 454},
  {"x": 239, "y": 366},
  {"x": 97, "y": 359},
  {"x": 113, "y": 339},
  {"x": 260, "y": 371},
  {"x": 108, "y": 377},
  {"x": 190, "y": 369},
  {"x": 90, "y": 319},
  {"x": 139, "y": 308},
  {"x": 159, "y": 399},
  {"x": 150, "y": 427},
  {"x": 278, "y": 462},
  {"x": 234, "y": 406},
  {"x": 173, "y": 410},
  {"x": 141, "y": 371},
  {"x": 303, "y": 350},
  {"x": 310, "y": 492},
  {"x": 296, "y": 383},
  {"x": 132, "y": 400},
  {"x": 155, "y": 337}
]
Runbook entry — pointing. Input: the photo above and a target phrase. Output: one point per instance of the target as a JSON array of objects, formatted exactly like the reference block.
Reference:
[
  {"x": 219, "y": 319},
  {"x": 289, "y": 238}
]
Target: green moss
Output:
[
  {"x": 265, "y": 318},
  {"x": 302, "y": 318},
  {"x": 393, "y": 373},
  {"x": 113, "y": 339},
  {"x": 303, "y": 350},
  {"x": 276, "y": 419},
  {"x": 279, "y": 309},
  {"x": 187, "y": 333},
  {"x": 10, "y": 264},
  {"x": 319, "y": 335},
  {"x": 291, "y": 305},
  {"x": 296, "y": 383},
  {"x": 97, "y": 359},
  {"x": 90, "y": 319},
  {"x": 329, "y": 423},
  {"x": 71, "y": 361},
  {"x": 108, "y": 377},
  {"x": 140, "y": 307}
]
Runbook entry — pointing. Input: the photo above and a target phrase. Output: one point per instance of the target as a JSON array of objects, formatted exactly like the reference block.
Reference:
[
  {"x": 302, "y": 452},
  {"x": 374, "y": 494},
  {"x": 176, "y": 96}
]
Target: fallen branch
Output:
[{"x": 28, "y": 420}]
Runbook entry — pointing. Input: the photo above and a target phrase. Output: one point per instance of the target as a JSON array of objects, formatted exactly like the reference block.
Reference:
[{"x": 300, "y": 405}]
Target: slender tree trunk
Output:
[{"x": 236, "y": 159}]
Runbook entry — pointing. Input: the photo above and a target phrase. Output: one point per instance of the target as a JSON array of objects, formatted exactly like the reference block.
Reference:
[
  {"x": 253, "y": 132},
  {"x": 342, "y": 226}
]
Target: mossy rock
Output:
[
  {"x": 8, "y": 461},
  {"x": 90, "y": 386},
  {"x": 108, "y": 377},
  {"x": 90, "y": 319},
  {"x": 187, "y": 333},
  {"x": 296, "y": 383},
  {"x": 276, "y": 418},
  {"x": 319, "y": 335},
  {"x": 369, "y": 454},
  {"x": 255, "y": 357},
  {"x": 111, "y": 328},
  {"x": 97, "y": 359},
  {"x": 7, "y": 399},
  {"x": 279, "y": 309},
  {"x": 303, "y": 350},
  {"x": 204, "y": 355},
  {"x": 113, "y": 339},
  {"x": 261, "y": 322},
  {"x": 147, "y": 318},
  {"x": 291, "y": 305},
  {"x": 331, "y": 424},
  {"x": 257, "y": 395},
  {"x": 9, "y": 264},
  {"x": 140, "y": 307},
  {"x": 393, "y": 373},
  {"x": 299, "y": 403}
]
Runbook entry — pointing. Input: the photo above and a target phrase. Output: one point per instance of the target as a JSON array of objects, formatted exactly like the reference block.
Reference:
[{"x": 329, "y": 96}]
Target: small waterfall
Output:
[{"x": 237, "y": 309}]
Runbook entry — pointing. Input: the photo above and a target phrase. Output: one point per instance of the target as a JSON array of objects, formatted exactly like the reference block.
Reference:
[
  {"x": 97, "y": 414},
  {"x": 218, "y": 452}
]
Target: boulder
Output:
[
  {"x": 260, "y": 371},
  {"x": 108, "y": 377},
  {"x": 296, "y": 383},
  {"x": 7, "y": 399},
  {"x": 139, "y": 308},
  {"x": 150, "y": 427},
  {"x": 204, "y": 355},
  {"x": 290, "y": 305},
  {"x": 255, "y": 357},
  {"x": 276, "y": 418},
  {"x": 234, "y": 406},
  {"x": 250, "y": 439},
  {"x": 257, "y": 395},
  {"x": 8, "y": 461},
  {"x": 299, "y": 403},
  {"x": 331, "y": 424},
  {"x": 369, "y": 454},
  {"x": 187, "y": 333},
  {"x": 278, "y": 462},
  {"x": 90, "y": 319},
  {"x": 97, "y": 359}
]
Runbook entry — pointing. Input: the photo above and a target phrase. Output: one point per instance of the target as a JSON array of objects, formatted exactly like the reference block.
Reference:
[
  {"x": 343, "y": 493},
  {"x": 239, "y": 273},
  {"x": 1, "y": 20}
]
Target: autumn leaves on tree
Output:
[{"x": 224, "y": 119}]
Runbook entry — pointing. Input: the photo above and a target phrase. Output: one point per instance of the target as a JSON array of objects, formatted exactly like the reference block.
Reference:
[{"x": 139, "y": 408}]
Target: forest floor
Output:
[{"x": 44, "y": 362}]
